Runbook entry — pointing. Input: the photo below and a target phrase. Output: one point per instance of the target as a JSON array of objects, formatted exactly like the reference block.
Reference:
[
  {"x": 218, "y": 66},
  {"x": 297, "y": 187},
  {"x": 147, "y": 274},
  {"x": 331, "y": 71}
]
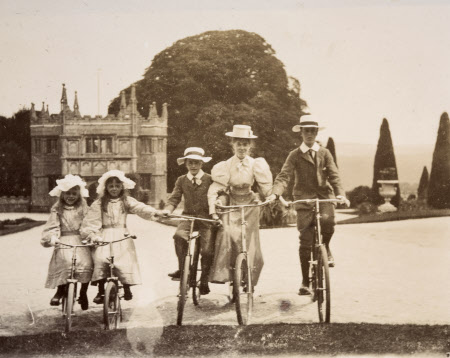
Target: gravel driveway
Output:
[{"x": 391, "y": 273}]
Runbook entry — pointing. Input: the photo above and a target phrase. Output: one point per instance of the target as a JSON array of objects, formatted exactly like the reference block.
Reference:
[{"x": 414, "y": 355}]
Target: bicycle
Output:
[
  {"x": 242, "y": 278},
  {"x": 68, "y": 299},
  {"x": 112, "y": 310},
  {"x": 319, "y": 274},
  {"x": 190, "y": 266}
]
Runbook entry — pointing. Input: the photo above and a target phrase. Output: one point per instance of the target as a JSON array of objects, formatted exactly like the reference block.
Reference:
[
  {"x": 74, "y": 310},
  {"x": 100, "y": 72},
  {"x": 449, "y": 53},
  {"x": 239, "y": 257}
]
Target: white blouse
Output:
[{"x": 236, "y": 173}]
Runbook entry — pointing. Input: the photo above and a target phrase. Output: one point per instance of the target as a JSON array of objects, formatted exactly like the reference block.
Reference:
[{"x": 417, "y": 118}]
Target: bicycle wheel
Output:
[
  {"x": 323, "y": 293},
  {"x": 243, "y": 290},
  {"x": 193, "y": 274},
  {"x": 184, "y": 282},
  {"x": 112, "y": 312},
  {"x": 68, "y": 301}
]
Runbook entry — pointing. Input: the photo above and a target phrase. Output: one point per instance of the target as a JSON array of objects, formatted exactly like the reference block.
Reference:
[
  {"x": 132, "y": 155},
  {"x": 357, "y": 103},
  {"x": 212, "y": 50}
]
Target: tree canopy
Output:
[
  {"x": 214, "y": 80},
  {"x": 439, "y": 184},
  {"x": 332, "y": 148},
  {"x": 422, "y": 190},
  {"x": 15, "y": 154},
  {"x": 384, "y": 166}
]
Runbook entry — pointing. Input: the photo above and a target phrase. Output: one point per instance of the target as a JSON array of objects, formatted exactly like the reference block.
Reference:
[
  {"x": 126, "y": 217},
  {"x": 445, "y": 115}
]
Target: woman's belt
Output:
[
  {"x": 70, "y": 233},
  {"x": 114, "y": 226},
  {"x": 241, "y": 190}
]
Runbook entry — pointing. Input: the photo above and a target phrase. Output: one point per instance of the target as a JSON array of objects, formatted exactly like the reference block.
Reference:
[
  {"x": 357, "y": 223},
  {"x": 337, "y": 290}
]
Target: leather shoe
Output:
[
  {"x": 98, "y": 299},
  {"x": 330, "y": 258},
  {"x": 55, "y": 301},
  {"x": 176, "y": 274},
  {"x": 204, "y": 288},
  {"x": 127, "y": 293},
  {"x": 304, "y": 291},
  {"x": 83, "y": 301}
]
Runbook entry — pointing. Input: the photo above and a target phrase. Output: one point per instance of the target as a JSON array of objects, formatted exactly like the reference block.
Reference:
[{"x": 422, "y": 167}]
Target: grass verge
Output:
[
  {"x": 397, "y": 215},
  {"x": 20, "y": 227},
  {"x": 276, "y": 339}
]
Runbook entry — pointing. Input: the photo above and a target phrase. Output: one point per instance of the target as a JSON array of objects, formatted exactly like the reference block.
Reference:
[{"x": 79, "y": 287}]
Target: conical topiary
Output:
[
  {"x": 439, "y": 184},
  {"x": 385, "y": 167}
]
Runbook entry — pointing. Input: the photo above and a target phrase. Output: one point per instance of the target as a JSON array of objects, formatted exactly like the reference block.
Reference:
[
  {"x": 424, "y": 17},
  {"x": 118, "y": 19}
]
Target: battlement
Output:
[{"x": 128, "y": 112}]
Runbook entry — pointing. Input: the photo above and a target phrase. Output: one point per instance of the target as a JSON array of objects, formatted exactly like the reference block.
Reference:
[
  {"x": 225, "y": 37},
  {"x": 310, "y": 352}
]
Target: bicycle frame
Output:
[
  {"x": 242, "y": 257},
  {"x": 188, "y": 280},
  {"x": 319, "y": 277}
]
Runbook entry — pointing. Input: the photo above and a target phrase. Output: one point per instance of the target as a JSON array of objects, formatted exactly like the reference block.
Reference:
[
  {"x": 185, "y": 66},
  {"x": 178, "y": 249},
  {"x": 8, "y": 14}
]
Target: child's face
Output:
[
  {"x": 114, "y": 188},
  {"x": 193, "y": 166},
  {"x": 71, "y": 196}
]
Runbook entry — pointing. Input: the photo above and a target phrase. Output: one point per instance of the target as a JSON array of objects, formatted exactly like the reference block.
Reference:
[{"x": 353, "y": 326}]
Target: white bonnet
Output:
[
  {"x": 67, "y": 183},
  {"x": 127, "y": 183}
]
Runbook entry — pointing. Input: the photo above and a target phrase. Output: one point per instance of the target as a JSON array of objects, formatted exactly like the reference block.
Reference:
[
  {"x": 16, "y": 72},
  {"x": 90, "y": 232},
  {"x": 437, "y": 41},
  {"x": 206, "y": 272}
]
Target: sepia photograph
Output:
[{"x": 209, "y": 178}]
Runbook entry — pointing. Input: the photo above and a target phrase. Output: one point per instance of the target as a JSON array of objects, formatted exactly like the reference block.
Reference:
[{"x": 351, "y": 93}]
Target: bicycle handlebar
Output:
[
  {"x": 70, "y": 245},
  {"x": 244, "y": 205},
  {"x": 287, "y": 203},
  {"x": 185, "y": 217}
]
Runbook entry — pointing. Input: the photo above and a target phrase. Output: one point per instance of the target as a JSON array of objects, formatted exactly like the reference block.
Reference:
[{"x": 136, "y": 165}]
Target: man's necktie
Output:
[
  {"x": 311, "y": 154},
  {"x": 194, "y": 181}
]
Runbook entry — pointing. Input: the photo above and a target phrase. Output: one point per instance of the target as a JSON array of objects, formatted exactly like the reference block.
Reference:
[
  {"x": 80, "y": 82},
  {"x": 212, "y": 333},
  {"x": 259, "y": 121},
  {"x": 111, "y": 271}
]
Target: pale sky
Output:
[{"x": 357, "y": 62}]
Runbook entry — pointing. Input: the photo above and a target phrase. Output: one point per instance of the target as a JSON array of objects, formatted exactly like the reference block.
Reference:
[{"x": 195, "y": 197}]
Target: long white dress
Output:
[
  {"x": 235, "y": 177},
  {"x": 111, "y": 225},
  {"x": 65, "y": 225}
]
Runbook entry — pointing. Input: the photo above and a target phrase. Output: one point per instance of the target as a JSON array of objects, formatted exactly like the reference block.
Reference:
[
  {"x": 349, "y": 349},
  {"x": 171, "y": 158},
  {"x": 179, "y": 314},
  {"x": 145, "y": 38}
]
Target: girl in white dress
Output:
[
  {"x": 106, "y": 221},
  {"x": 63, "y": 226}
]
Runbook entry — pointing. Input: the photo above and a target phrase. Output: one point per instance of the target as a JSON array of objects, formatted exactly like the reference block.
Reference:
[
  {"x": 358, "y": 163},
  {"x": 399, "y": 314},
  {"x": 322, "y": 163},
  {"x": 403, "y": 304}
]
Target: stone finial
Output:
[
  {"x": 133, "y": 93},
  {"x": 76, "y": 107},
  {"x": 165, "y": 113},
  {"x": 123, "y": 103},
  {"x": 33, "y": 116},
  {"x": 152, "y": 114},
  {"x": 64, "y": 95}
]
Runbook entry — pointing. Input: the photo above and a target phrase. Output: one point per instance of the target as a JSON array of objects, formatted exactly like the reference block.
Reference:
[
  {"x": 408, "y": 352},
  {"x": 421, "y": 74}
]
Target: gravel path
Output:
[{"x": 390, "y": 273}]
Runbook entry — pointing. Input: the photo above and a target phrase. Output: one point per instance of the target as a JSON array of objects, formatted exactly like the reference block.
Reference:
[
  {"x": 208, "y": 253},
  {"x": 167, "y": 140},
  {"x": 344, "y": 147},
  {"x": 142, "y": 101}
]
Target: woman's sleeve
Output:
[
  {"x": 145, "y": 211},
  {"x": 263, "y": 176},
  {"x": 92, "y": 222},
  {"x": 51, "y": 228},
  {"x": 220, "y": 176}
]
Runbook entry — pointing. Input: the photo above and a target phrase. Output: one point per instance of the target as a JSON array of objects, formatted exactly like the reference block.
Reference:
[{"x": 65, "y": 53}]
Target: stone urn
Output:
[{"x": 387, "y": 190}]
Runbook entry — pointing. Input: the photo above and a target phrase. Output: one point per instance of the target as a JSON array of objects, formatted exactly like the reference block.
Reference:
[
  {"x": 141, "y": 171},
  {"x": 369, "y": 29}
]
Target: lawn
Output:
[{"x": 274, "y": 339}]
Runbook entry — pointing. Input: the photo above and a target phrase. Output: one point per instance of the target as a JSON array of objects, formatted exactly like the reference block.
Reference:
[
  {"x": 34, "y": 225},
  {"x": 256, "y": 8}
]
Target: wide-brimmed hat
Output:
[
  {"x": 67, "y": 183},
  {"x": 307, "y": 121},
  {"x": 241, "y": 131},
  {"x": 127, "y": 183},
  {"x": 194, "y": 153}
]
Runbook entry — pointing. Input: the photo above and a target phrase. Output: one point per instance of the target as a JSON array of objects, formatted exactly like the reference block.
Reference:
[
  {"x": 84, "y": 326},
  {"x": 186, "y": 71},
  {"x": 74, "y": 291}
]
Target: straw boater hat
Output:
[
  {"x": 68, "y": 183},
  {"x": 307, "y": 121},
  {"x": 127, "y": 183},
  {"x": 194, "y": 153},
  {"x": 241, "y": 131}
]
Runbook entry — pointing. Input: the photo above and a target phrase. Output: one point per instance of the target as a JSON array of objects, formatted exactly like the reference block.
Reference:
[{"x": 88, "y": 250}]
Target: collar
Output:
[
  {"x": 244, "y": 161},
  {"x": 198, "y": 176},
  {"x": 304, "y": 148}
]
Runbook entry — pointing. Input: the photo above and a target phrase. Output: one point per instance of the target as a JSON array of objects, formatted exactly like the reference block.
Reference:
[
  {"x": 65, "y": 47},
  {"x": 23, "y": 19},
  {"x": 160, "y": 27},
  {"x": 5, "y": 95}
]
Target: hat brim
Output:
[
  {"x": 298, "y": 127},
  {"x": 230, "y": 134},
  {"x": 180, "y": 161}
]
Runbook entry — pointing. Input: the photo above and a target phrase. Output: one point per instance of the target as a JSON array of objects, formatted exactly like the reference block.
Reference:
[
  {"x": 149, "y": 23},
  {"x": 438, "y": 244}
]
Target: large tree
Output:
[
  {"x": 15, "y": 154},
  {"x": 384, "y": 166},
  {"x": 439, "y": 185},
  {"x": 214, "y": 80},
  {"x": 422, "y": 190}
]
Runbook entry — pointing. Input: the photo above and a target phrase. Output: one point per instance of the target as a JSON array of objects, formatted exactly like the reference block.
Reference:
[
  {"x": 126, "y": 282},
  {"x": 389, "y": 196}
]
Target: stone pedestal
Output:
[{"x": 387, "y": 191}]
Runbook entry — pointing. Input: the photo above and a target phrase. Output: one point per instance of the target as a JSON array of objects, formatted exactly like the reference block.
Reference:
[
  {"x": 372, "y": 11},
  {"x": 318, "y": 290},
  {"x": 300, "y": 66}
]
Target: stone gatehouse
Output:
[{"x": 89, "y": 146}]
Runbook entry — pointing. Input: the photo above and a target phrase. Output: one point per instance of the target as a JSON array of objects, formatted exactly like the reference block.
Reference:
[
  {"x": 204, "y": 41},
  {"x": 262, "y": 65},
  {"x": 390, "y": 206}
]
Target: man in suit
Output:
[{"x": 316, "y": 176}]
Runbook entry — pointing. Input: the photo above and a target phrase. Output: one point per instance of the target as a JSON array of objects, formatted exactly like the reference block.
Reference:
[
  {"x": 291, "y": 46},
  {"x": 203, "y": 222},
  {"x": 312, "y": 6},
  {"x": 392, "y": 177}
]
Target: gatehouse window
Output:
[
  {"x": 146, "y": 181},
  {"x": 99, "y": 145}
]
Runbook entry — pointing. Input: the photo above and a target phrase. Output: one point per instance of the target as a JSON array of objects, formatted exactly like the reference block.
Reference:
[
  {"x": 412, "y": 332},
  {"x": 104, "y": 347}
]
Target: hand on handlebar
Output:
[
  {"x": 162, "y": 213},
  {"x": 54, "y": 241},
  {"x": 97, "y": 239},
  {"x": 216, "y": 217},
  {"x": 343, "y": 200},
  {"x": 271, "y": 197}
]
